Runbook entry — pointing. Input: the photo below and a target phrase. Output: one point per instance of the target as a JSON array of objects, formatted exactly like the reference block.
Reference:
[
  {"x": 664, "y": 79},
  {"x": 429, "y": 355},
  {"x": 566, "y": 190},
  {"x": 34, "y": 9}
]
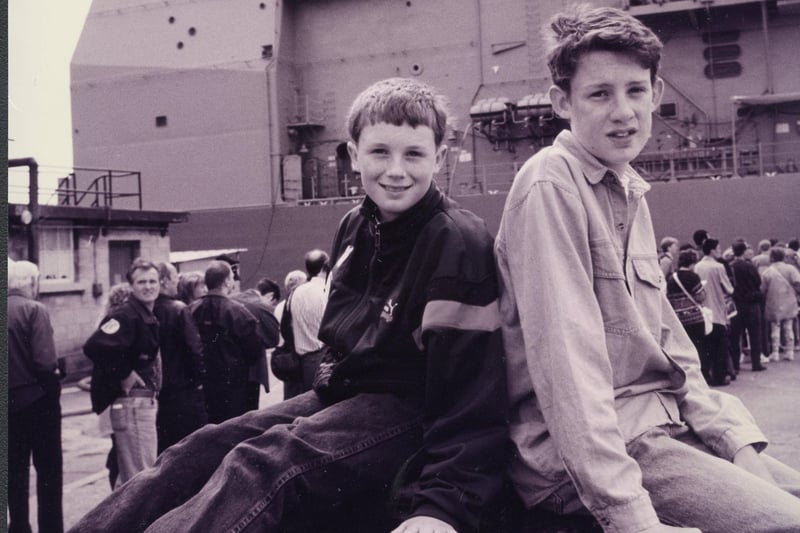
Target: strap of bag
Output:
[{"x": 678, "y": 281}]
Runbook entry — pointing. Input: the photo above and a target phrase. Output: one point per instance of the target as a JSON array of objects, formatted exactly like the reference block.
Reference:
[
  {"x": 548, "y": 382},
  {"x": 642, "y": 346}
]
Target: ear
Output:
[
  {"x": 441, "y": 153},
  {"x": 352, "y": 149},
  {"x": 560, "y": 101},
  {"x": 658, "y": 92}
]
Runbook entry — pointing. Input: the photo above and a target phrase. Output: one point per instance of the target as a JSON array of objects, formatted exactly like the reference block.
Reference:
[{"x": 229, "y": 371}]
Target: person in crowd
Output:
[
  {"x": 686, "y": 293},
  {"x": 34, "y": 408},
  {"x": 609, "y": 410},
  {"x": 181, "y": 402},
  {"x": 717, "y": 286},
  {"x": 231, "y": 345},
  {"x": 126, "y": 374},
  {"x": 409, "y": 408},
  {"x": 761, "y": 261},
  {"x": 191, "y": 286},
  {"x": 292, "y": 280},
  {"x": 792, "y": 257},
  {"x": 117, "y": 295},
  {"x": 667, "y": 259},
  {"x": 780, "y": 284},
  {"x": 747, "y": 295},
  {"x": 261, "y": 301},
  {"x": 698, "y": 238},
  {"x": 306, "y": 305}
]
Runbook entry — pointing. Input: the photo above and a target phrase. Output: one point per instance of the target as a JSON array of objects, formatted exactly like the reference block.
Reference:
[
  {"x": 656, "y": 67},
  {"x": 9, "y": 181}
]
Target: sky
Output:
[{"x": 42, "y": 35}]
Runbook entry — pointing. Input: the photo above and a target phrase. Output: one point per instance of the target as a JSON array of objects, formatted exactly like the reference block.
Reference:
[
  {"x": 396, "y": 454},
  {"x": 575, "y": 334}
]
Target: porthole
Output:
[{"x": 416, "y": 69}]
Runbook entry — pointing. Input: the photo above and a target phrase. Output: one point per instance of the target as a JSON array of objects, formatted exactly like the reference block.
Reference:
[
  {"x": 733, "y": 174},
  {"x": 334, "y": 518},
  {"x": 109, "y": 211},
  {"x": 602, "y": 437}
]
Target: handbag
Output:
[
  {"x": 284, "y": 362},
  {"x": 708, "y": 314}
]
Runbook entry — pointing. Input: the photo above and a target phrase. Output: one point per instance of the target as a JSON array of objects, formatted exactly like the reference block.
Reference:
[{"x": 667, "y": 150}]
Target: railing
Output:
[{"x": 102, "y": 189}]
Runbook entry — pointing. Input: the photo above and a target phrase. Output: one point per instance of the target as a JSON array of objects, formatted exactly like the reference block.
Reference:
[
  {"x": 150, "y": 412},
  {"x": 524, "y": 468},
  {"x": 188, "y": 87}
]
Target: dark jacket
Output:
[
  {"x": 747, "y": 282},
  {"x": 412, "y": 309},
  {"x": 32, "y": 359},
  {"x": 268, "y": 331},
  {"x": 181, "y": 349},
  {"x": 126, "y": 340},
  {"x": 229, "y": 336}
]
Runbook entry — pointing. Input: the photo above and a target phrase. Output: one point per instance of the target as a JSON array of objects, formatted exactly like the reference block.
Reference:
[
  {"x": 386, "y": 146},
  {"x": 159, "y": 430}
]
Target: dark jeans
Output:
[
  {"x": 180, "y": 412},
  {"x": 748, "y": 319},
  {"x": 36, "y": 430},
  {"x": 271, "y": 469},
  {"x": 716, "y": 348},
  {"x": 226, "y": 400},
  {"x": 697, "y": 334}
]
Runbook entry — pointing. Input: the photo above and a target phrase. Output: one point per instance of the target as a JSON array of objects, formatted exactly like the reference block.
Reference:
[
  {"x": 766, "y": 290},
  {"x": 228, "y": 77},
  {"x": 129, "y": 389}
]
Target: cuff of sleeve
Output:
[
  {"x": 736, "y": 438},
  {"x": 635, "y": 515}
]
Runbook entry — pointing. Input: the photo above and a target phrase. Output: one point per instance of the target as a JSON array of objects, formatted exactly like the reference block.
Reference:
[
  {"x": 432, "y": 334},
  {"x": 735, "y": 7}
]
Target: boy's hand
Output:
[
  {"x": 747, "y": 458},
  {"x": 424, "y": 524},
  {"x": 129, "y": 382}
]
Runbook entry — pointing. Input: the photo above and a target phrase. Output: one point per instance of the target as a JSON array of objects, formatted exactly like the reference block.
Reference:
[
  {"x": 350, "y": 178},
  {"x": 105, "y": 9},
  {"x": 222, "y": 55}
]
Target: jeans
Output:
[
  {"x": 691, "y": 487},
  {"x": 716, "y": 344},
  {"x": 133, "y": 420},
  {"x": 180, "y": 412},
  {"x": 749, "y": 319},
  {"x": 266, "y": 470},
  {"x": 775, "y": 328},
  {"x": 35, "y": 430}
]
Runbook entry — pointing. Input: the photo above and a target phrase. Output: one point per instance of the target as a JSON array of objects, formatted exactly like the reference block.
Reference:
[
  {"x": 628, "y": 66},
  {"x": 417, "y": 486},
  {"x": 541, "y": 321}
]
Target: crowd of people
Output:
[
  {"x": 749, "y": 297},
  {"x": 453, "y": 370}
]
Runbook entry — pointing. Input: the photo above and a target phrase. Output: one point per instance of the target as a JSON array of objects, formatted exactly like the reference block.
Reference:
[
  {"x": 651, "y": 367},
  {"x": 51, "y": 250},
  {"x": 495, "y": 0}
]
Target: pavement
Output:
[{"x": 772, "y": 396}]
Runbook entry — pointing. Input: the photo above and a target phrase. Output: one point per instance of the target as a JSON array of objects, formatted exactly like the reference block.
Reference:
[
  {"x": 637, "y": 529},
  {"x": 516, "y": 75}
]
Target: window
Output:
[
  {"x": 120, "y": 256},
  {"x": 56, "y": 254}
]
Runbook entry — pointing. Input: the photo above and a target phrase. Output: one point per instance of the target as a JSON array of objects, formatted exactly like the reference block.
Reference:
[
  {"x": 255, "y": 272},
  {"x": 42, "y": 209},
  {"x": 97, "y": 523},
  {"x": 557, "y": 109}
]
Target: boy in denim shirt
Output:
[
  {"x": 410, "y": 397},
  {"x": 609, "y": 410}
]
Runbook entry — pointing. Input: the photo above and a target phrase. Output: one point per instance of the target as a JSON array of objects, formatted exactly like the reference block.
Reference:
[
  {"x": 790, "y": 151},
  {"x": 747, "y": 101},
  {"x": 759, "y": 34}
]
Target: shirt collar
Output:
[{"x": 593, "y": 170}]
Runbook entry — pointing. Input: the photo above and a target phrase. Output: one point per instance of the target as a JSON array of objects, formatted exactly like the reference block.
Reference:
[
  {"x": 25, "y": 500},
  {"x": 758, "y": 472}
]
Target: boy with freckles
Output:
[
  {"x": 609, "y": 411},
  {"x": 408, "y": 411}
]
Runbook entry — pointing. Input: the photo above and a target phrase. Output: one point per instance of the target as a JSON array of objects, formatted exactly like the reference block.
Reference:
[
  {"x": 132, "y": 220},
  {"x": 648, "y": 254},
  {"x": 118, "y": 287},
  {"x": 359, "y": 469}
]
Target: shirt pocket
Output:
[
  {"x": 610, "y": 289},
  {"x": 647, "y": 291}
]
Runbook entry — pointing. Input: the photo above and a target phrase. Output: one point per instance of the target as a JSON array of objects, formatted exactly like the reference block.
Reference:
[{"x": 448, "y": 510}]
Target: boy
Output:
[
  {"x": 609, "y": 411},
  {"x": 411, "y": 393}
]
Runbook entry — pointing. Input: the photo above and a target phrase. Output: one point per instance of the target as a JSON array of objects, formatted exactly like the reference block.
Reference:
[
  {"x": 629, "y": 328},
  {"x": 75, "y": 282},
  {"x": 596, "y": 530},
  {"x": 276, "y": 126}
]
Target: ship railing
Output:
[{"x": 104, "y": 187}]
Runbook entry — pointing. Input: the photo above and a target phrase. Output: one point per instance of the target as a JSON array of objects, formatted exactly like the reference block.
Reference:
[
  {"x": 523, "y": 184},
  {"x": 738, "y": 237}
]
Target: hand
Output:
[
  {"x": 131, "y": 381},
  {"x": 748, "y": 459},
  {"x": 664, "y": 528},
  {"x": 424, "y": 524}
]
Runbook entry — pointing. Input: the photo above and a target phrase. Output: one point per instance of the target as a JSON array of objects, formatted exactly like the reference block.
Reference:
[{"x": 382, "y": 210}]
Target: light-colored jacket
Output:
[
  {"x": 717, "y": 286},
  {"x": 595, "y": 353},
  {"x": 780, "y": 283}
]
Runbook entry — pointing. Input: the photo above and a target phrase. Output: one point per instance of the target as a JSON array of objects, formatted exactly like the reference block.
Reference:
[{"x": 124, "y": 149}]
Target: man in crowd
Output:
[
  {"x": 181, "y": 405},
  {"x": 667, "y": 260},
  {"x": 261, "y": 301},
  {"x": 747, "y": 295},
  {"x": 34, "y": 411},
  {"x": 127, "y": 371},
  {"x": 230, "y": 345}
]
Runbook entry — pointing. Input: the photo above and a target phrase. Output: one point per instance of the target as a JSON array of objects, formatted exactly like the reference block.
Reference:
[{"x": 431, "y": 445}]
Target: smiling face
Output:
[
  {"x": 397, "y": 165},
  {"x": 145, "y": 285},
  {"x": 610, "y": 106}
]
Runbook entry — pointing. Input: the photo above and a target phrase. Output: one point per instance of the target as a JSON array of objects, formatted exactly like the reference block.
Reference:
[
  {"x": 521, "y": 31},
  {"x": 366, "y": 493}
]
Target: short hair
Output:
[
  {"x": 216, "y": 274},
  {"x": 699, "y": 237},
  {"x": 776, "y": 254},
  {"x": 398, "y": 101},
  {"x": 709, "y": 245},
  {"x": 140, "y": 264},
  {"x": 316, "y": 262},
  {"x": 293, "y": 279},
  {"x": 738, "y": 248},
  {"x": 794, "y": 244},
  {"x": 764, "y": 245},
  {"x": 573, "y": 33},
  {"x": 187, "y": 283},
  {"x": 20, "y": 274},
  {"x": 163, "y": 269},
  {"x": 686, "y": 246},
  {"x": 687, "y": 258},
  {"x": 266, "y": 285},
  {"x": 666, "y": 242}
]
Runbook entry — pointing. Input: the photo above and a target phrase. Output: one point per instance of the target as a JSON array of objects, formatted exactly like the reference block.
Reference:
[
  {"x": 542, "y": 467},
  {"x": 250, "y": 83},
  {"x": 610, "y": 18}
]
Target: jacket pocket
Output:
[{"x": 119, "y": 416}]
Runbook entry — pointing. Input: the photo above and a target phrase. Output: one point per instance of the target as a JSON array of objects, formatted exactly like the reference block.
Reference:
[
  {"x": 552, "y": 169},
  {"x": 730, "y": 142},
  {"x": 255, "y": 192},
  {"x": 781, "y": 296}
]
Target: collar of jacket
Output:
[
  {"x": 144, "y": 313},
  {"x": 593, "y": 169},
  {"x": 407, "y": 226}
]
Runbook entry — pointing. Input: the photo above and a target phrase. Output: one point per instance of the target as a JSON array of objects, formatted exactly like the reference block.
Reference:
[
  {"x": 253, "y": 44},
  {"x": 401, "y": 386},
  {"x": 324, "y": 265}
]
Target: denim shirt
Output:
[{"x": 596, "y": 352}]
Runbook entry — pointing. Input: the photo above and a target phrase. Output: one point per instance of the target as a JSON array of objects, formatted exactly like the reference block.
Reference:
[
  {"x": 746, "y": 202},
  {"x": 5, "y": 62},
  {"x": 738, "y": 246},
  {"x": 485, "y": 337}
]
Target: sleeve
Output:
[
  {"x": 725, "y": 282},
  {"x": 720, "y": 420},
  {"x": 465, "y": 428},
  {"x": 109, "y": 347},
  {"x": 567, "y": 357},
  {"x": 698, "y": 291},
  {"x": 43, "y": 348},
  {"x": 194, "y": 345}
]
